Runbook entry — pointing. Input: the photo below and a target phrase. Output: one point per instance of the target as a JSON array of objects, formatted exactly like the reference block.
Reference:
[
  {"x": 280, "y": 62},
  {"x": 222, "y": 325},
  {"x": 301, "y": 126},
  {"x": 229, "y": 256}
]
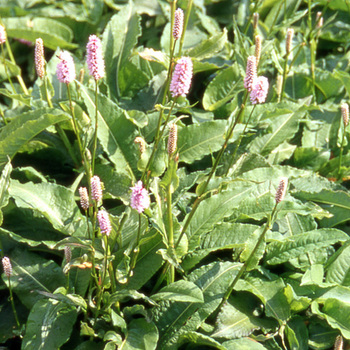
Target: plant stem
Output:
[
  {"x": 239, "y": 142},
  {"x": 188, "y": 12},
  {"x": 3, "y": 117},
  {"x": 341, "y": 153},
  {"x": 247, "y": 262},
  {"x": 245, "y": 30},
  {"x": 6, "y": 69},
  {"x": 19, "y": 78},
  {"x": 13, "y": 304},
  {"x": 170, "y": 229},
  {"x": 313, "y": 48},
  {"x": 96, "y": 124}
]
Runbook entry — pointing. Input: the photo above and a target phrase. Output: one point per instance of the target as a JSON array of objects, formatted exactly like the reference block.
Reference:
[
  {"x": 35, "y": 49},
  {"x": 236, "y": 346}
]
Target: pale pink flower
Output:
[
  {"x": 104, "y": 222},
  {"x": 139, "y": 197},
  {"x": 178, "y": 24},
  {"x": 182, "y": 77},
  {"x": 96, "y": 188},
  {"x": 281, "y": 190},
  {"x": 260, "y": 88},
  {"x": 6, "y": 264},
  {"x": 94, "y": 58},
  {"x": 3, "y": 36},
  {"x": 250, "y": 73},
  {"x": 39, "y": 58},
  {"x": 65, "y": 68},
  {"x": 84, "y": 198}
]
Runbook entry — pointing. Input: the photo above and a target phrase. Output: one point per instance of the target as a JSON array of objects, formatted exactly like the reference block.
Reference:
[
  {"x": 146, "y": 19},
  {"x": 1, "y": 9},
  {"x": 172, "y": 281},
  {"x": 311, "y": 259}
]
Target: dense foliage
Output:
[{"x": 220, "y": 221}]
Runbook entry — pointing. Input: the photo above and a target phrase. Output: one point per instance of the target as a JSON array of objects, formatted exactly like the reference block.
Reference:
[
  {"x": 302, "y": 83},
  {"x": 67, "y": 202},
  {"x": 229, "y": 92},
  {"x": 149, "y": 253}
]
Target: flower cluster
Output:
[
  {"x": 96, "y": 189},
  {"x": 94, "y": 57},
  {"x": 260, "y": 88},
  {"x": 250, "y": 73},
  {"x": 6, "y": 264},
  {"x": 139, "y": 197},
  {"x": 345, "y": 113},
  {"x": 84, "y": 198},
  {"x": 3, "y": 35},
  {"x": 182, "y": 77},
  {"x": 104, "y": 222},
  {"x": 65, "y": 68},
  {"x": 172, "y": 140},
  {"x": 281, "y": 190}
]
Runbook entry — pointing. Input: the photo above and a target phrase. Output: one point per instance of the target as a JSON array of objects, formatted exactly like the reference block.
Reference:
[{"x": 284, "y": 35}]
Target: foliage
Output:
[{"x": 218, "y": 260}]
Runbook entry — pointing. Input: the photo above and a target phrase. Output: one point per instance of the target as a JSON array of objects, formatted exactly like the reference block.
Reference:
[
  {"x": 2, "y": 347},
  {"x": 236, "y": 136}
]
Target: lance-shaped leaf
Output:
[{"x": 24, "y": 127}]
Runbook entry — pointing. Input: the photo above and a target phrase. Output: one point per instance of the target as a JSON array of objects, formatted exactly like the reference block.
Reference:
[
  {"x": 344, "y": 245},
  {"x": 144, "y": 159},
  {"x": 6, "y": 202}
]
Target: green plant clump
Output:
[{"x": 174, "y": 174}]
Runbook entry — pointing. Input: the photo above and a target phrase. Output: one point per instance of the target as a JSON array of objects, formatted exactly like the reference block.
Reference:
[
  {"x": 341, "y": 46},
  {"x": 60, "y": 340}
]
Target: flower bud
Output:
[
  {"x": 96, "y": 189},
  {"x": 258, "y": 40},
  {"x": 319, "y": 20},
  {"x": 250, "y": 73},
  {"x": 172, "y": 140},
  {"x": 345, "y": 113},
  {"x": 39, "y": 58},
  {"x": 84, "y": 198},
  {"x": 255, "y": 21},
  {"x": 6, "y": 264},
  {"x": 67, "y": 253},
  {"x": 178, "y": 24},
  {"x": 3, "y": 36},
  {"x": 141, "y": 143},
  {"x": 289, "y": 39},
  {"x": 281, "y": 190},
  {"x": 339, "y": 343}
]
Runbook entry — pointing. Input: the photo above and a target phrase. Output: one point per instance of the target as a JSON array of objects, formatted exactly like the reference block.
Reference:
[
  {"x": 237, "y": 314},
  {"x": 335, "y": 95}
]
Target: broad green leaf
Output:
[
  {"x": 321, "y": 335},
  {"x": 198, "y": 140},
  {"x": 4, "y": 184},
  {"x": 24, "y": 127},
  {"x": 338, "y": 270},
  {"x": 56, "y": 203},
  {"x": 141, "y": 335},
  {"x": 272, "y": 295},
  {"x": 54, "y": 33},
  {"x": 336, "y": 202},
  {"x": 221, "y": 89},
  {"x": 335, "y": 318},
  {"x": 31, "y": 273},
  {"x": 292, "y": 224},
  {"x": 183, "y": 291},
  {"x": 297, "y": 334},
  {"x": 199, "y": 340},
  {"x": 49, "y": 325},
  {"x": 119, "y": 38},
  {"x": 208, "y": 48},
  {"x": 176, "y": 318},
  {"x": 219, "y": 206},
  {"x": 233, "y": 323},
  {"x": 115, "y": 132},
  {"x": 284, "y": 126},
  {"x": 243, "y": 344},
  {"x": 292, "y": 247}
]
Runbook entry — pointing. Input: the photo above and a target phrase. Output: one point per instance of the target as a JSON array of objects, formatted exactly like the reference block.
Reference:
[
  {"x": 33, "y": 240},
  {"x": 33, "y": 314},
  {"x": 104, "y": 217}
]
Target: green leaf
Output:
[
  {"x": 338, "y": 270},
  {"x": 4, "y": 184},
  {"x": 177, "y": 318},
  {"x": 243, "y": 344},
  {"x": 54, "y": 33},
  {"x": 56, "y": 203},
  {"x": 295, "y": 246},
  {"x": 31, "y": 273},
  {"x": 24, "y": 127},
  {"x": 297, "y": 334},
  {"x": 49, "y": 325},
  {"x": 336, "y": 319},
  {"x": 141, "y": 335},
  {"x": 200, "y": 340},
  {"x": 208, "y": 48},
  {"x": 285, "y": 124},
  {"x": 116, "y": 132},
  {"x": 183, "y": 291},
  {"x": 119, "y": 38},
  {"x": 222, "y": 88},
  {"x": 197, "y": 140}
]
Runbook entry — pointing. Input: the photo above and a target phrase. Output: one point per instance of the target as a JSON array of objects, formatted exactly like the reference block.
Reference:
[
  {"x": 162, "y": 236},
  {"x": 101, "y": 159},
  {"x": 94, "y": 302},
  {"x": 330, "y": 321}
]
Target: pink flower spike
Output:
[
  {"x": 178, "y": 24},
  {"x": 260, "y": 88},
  {"x": 104, "y": 222},
  {"x": 84, "y": 198},
  {"x": 39, "y": 58},
  {"x": 182, "y": 77},
  {"x": 65, "y": 68},
  {"x": 96, "y": 189},
  {"x": 94, "y": 57},
  {"x": 3, "y": 35},
  {"x": 250, "y": 73},
  {"x": 139, "y": 197}
]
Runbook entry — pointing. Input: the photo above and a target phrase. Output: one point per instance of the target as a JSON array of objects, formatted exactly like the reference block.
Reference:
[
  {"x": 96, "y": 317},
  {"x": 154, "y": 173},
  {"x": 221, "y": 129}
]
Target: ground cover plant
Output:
[{"x": 174, "y": 174}]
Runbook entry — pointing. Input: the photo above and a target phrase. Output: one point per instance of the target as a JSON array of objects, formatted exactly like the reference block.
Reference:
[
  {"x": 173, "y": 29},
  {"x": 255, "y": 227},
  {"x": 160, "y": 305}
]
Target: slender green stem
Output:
[
  {"x": 136, "y": 250},
  {"x": 248, "y": 261},
  {"x": 6, "y": 69},
  {"x": 246, "y": 27},
  {"x": 172, "y": 19},
  {"x": 19, "y": 78},
  {"x": 187, "y": 16},
  {"x": 13, "y": 304},
  {"x": 96, "y": 125},
  {"x": 284, "y": 77},
  {"x": 3, "y": 117},
  {"x": 170, "y": 229},
  {"x": 341, "y": 153},
  {"x": 239, "y": 142},
  {"x": 47, "y": 96},
  {"x": 313, "y": 48}
]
